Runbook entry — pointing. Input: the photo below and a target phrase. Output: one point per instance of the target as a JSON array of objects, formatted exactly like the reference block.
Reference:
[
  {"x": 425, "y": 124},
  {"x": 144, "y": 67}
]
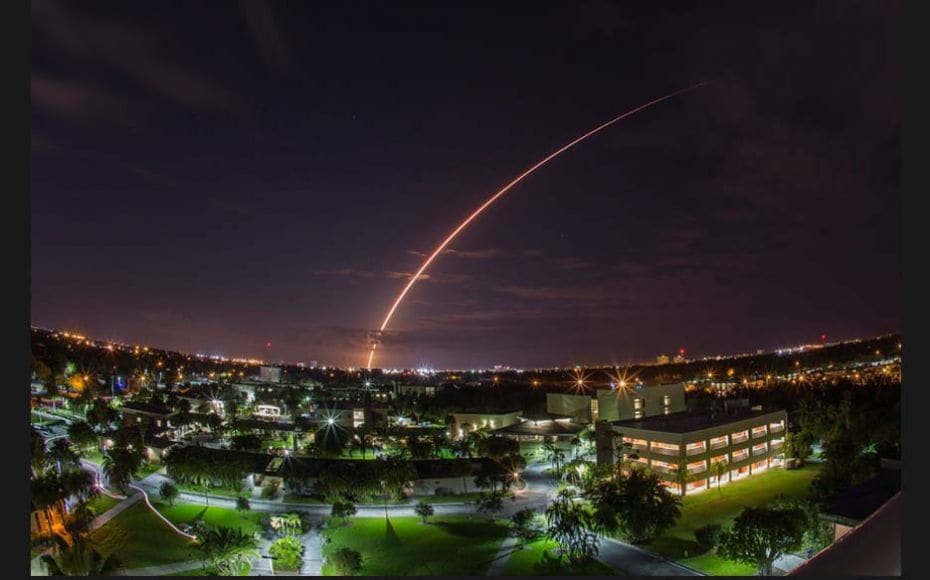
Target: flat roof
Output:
[
  {"x": 688, "y": 421},
  {"x": 549, "y": 428},
  {"x": 146, "y": 408},
  {"x": 485, "y": 411},
  {"x": 862, "y": 500}
]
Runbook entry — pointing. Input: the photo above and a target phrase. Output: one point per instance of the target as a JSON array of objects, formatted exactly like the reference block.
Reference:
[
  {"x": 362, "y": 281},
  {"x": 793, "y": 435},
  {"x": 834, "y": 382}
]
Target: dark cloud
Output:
[
  {"x": 262, "y": 22},
  {"x": 133, "y": 52}
]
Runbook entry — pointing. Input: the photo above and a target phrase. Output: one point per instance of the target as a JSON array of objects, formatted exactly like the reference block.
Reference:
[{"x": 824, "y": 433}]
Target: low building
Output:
[
  {"x": 541, "y": 428},
  {"x": 745, "y": 440},
  {"x": 269, "y": 374},
  {"x": 472, "y": 420},
  {"x": 155, "y": 448},
  {"x": 136, "y": 413},
  {"x": 618, "y": 403},
  {"x": 416, "y": 390},
  {"x": 851, "y": 507}
]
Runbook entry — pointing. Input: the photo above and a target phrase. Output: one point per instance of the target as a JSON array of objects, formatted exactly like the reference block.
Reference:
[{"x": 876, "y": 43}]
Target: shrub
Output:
[
  {"x": 346, "y": 561},
  {"x": 168, "y": 492},
  {"x": 288, "y": 553},
  {"x": 344, "y": 510},
  {"x": 424, "y": 510},
  {"x": 269, "y": 490},
  {"x": 708, "y": 535}
]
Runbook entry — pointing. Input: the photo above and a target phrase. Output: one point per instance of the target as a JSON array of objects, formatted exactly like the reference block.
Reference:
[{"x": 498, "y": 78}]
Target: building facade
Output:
[
  {"x": 685, "y": 447},
  {"x": 619, "y": 403},
  {"x": 467, "y": 421}
]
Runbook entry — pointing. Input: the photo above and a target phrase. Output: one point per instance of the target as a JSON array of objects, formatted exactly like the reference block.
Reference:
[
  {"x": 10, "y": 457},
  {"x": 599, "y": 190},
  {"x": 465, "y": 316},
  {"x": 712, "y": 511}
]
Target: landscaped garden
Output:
[
  {"x": 531, "y": 561},
  {"x": 404, "y": 546},
  {"x": 722, "y": 507}
]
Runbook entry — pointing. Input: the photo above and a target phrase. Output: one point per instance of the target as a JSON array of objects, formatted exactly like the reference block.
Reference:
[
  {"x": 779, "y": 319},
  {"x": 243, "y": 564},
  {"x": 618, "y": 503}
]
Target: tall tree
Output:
[
  {"x": 569, "y": 526},
  {"x": 759, "y": 536}
]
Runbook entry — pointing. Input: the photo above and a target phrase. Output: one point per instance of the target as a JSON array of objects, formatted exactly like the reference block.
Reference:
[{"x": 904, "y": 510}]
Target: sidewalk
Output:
[
  {"x": 503, "y": 554},
  {"x": 113, "y": 512},
  {"x": 313, "y": 553},
  {"x": 631, "y": 560}
]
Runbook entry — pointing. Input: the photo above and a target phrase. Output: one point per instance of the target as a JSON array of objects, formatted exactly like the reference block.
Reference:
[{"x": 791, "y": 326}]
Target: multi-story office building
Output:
[
  {"x": 745, "y": 440},
  {"x": 269, "y": 374},
  {"x": 619, "y": 403}
]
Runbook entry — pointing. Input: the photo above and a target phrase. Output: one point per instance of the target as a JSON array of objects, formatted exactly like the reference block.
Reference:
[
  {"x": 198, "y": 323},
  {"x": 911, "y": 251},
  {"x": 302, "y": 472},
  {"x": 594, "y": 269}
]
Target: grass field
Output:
[
  {"x": 713, "y": 507},
  {"x": 185, "y": 513},
  {"x": 138, "y": 538},
  {"x": 529, "y": 562},
  {"x": 102, "y": 503},
  {"x": 405, "y": 547}
]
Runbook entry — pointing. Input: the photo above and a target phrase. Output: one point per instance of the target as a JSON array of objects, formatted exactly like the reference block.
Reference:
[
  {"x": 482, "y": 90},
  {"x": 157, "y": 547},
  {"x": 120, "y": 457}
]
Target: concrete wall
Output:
[
  {"x": 486, "y": 420},
  {"x": 620, "y": 405},
  {"x": 578, "y": 407}
]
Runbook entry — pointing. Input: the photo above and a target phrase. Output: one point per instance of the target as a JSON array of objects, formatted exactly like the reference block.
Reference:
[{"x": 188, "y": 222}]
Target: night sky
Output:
[{"x": 212, "y": 176}]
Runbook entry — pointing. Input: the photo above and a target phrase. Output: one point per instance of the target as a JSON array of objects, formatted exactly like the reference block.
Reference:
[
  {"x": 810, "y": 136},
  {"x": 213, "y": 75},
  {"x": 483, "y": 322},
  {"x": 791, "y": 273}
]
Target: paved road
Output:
[{"x": 632, "y": 561}]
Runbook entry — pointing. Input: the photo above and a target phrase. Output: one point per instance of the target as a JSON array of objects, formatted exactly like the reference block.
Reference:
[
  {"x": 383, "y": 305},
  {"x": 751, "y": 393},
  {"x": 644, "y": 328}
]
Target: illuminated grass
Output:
[
  {"x": 713, "y": 507},
  {"x": 529, "y": 562},
  {"x": 448, "y": 544},
  {"x": 185, "y": 513},
  {"x": 137, "y": 538},
  {"x": 102, "y": 503}
]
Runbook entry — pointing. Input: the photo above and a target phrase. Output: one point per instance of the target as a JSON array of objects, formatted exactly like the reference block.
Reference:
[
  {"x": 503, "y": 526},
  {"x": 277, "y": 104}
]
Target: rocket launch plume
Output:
[{"x": 442, "y": 246}]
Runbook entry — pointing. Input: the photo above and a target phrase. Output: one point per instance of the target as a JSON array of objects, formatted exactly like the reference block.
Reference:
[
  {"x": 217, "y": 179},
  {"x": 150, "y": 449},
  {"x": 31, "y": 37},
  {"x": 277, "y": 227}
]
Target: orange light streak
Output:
[{"x": 496, "y": 196}]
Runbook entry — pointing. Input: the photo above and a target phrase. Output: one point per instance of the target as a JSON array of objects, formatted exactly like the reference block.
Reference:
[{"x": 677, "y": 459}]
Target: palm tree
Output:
[
  {"x": 120, "y": 466},
  {"x": 719, "y": 469},
  {"x": 78, "y": 559},
  {"x": 684, "y": 476},
  {"x": 228, "y": 550}
]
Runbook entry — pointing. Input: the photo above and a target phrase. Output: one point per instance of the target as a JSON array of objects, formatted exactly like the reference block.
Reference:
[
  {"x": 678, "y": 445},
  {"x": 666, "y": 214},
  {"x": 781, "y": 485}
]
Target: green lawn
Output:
[
  {"x": 102, "y": 503},
  {"x": 721, "y": 508},
  {"x": 138, "y": 539},
  {"x": 186, "y": 513},
  {"x": 528, "y": 562},
  {"x": 406, "y": 547},
  {"x": 148, "y": 469},
  {"x": 94, "y": 456}
]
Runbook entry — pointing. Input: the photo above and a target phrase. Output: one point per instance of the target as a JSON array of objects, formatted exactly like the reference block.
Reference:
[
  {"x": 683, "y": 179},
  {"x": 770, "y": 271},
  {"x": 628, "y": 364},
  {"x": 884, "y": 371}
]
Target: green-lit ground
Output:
[
  {"x": 713, "y": 507},
  {"x": 457, "y": 545},
  {"x": 102, "y": 503},
  {"x": 529, "y": 562},
  {"x": 138, "y": 539},
  {"x": 185, "y": 513}
]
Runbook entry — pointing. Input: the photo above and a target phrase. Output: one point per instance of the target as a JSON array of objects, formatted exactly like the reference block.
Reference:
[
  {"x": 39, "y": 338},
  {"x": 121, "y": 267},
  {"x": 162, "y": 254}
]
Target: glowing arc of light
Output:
[{"x": 442, "y": 246}]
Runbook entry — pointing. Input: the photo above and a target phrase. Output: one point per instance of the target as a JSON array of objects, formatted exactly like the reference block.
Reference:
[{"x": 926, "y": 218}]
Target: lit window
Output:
[
  {"x": 637, "y": 403},
  {"x": 638, "y": 415},
  {"x": 666, "y": 400}
]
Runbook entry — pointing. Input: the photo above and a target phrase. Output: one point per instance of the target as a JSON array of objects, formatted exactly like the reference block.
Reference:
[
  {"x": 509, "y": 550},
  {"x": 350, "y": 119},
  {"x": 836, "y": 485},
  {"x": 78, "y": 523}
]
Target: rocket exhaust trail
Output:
[{"x": 496, "y": 196}]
